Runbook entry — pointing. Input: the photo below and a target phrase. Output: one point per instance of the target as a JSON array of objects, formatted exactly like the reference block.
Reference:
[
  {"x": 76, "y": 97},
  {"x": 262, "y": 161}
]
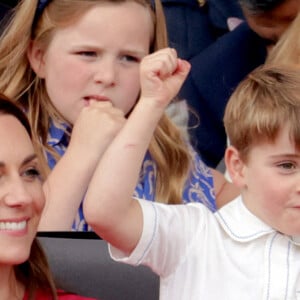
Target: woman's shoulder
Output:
[{"x": 61, "y": 295}]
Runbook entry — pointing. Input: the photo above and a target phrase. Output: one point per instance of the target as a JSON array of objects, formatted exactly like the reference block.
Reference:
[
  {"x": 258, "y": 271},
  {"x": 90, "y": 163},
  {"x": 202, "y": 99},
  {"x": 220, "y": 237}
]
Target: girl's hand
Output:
[
  {"x": 161, "y": 74},
  {"x": 95, "y": 128},
  {"x": 65, "y": 187}
]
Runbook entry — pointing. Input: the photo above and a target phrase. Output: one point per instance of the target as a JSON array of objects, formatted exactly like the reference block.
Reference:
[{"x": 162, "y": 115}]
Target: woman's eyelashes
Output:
[
  {"x": 31, "y": 173},
  {"x": 27, "y": 173}
]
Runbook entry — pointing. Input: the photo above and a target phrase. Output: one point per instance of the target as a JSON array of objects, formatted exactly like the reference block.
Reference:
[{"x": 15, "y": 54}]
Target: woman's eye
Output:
[{"x": 32, "y": 173}]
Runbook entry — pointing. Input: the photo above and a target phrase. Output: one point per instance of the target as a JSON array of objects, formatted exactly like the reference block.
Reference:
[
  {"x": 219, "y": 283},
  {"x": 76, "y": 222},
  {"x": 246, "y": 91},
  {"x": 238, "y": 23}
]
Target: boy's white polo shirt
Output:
[{"x": 227, "y": 255}]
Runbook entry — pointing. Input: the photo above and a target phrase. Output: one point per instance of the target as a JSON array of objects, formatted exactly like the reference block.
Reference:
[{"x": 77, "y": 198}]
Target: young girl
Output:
[
  {"x": 75, "y": 67},
  {"x": 24, "y": 270}
]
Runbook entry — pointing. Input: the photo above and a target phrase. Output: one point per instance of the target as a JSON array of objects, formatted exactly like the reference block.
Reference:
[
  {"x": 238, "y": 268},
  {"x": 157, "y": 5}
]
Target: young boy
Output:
[{"x": 249, "y": 249}]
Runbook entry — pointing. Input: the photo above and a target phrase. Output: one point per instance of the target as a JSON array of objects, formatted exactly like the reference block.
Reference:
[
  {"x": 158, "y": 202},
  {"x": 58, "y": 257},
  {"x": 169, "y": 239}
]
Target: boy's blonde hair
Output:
[
  {"x": 263, "y": 103},
  {"x": 18, "y": 81}
]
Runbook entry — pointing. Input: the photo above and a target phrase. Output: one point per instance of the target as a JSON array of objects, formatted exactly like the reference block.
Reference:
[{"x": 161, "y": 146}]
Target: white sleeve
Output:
[{"x": 168, "y": 232}]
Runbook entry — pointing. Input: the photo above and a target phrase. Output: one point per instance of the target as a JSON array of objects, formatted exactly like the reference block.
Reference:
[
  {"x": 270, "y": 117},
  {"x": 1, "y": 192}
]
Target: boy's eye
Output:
[{"x": 287, "y": 166}]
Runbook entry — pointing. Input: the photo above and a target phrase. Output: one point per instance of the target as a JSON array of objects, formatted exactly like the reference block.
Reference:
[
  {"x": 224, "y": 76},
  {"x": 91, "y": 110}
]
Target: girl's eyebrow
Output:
[
  {"x": 134, "y": 52},
  {"x": 128, "y": 50}
]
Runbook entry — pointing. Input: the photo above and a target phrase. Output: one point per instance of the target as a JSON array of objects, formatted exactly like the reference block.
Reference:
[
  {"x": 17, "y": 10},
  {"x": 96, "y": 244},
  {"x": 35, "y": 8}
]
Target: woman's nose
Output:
[{"x": 17, "y": 193}]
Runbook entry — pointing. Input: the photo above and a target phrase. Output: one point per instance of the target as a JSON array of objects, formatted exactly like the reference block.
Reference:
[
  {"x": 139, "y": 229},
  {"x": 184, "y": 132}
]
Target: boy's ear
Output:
[
  {"x": 235, "y": 166},
  {"x": 35, "y": 56}
]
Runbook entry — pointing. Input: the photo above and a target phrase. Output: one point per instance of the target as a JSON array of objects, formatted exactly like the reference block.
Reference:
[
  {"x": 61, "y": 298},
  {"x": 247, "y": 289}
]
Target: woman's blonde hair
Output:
[
  {"x": 262, "y": 104},
  {"x": 17, "y": 80},
  {"x": 287, "y": 49}
]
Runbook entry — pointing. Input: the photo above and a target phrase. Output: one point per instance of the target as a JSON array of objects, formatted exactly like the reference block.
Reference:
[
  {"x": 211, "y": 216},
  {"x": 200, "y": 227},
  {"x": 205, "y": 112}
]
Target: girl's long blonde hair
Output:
[{"x": 17, "y": 80}]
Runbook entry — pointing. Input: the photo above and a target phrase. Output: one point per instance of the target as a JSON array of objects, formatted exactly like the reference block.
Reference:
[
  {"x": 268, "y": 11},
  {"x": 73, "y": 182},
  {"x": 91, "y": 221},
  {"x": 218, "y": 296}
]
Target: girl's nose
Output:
[{"x": 105, "y": 72}]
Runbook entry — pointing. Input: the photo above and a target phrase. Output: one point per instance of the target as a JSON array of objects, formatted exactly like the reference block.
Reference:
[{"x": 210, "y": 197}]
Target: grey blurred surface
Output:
[{"x": 84, "y": 266}]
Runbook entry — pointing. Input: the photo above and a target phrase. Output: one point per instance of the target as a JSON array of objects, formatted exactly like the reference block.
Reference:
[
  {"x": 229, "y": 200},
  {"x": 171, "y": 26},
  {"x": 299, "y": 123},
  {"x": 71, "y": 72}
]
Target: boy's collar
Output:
[
  {"x": 295, "y": 240},
  {"x": 243, "y": 226},
  {"x": 239, "y": 223}
]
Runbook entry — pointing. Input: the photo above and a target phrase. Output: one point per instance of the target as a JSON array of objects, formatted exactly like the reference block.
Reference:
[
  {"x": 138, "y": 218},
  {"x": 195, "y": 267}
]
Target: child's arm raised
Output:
[
  {"x": 109, "y": 207},
  {"x": 67, "y": 183}
]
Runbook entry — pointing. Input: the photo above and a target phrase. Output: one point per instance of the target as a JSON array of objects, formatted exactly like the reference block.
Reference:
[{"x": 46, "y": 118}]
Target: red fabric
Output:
[{"x": 41, "y": 295}]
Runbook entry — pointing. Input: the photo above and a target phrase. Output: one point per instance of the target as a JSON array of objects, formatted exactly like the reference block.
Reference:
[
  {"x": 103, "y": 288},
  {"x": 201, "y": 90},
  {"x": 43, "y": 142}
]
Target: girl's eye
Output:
[
  {"x": 87, "y": 53},
  {"x": 130, "y": 58}
]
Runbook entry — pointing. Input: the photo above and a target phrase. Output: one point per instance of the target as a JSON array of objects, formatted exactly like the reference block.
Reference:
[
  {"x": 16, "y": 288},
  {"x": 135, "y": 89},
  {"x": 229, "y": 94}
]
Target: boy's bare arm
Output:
[{"x": 109, "y": 207}]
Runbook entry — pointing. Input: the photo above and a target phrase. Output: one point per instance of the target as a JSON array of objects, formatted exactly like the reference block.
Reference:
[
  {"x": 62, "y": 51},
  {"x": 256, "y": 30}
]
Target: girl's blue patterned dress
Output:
[{"x": 198, "y": 188}]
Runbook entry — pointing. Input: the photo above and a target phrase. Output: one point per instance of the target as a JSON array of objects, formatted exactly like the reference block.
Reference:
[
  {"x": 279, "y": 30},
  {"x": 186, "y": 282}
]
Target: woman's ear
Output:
[
  {"x": 35, "y": 55},
  {"x": 235, "y": 166}
]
